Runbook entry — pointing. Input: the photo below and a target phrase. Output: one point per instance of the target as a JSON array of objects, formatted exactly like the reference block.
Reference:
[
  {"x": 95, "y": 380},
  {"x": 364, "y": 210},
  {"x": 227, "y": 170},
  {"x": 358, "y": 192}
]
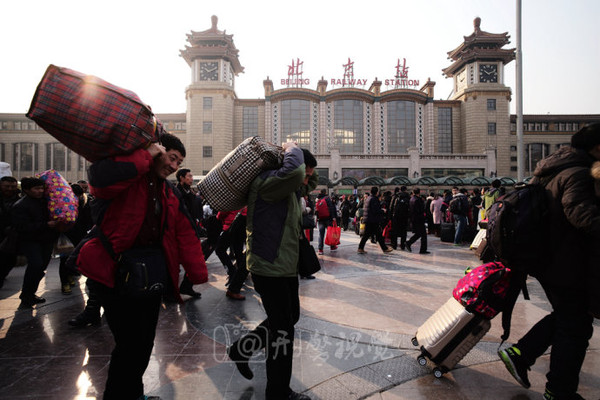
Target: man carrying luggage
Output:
[
  {"x": 141, "y": 211},
  {"x": 574, "y": 233},
  {"x": 373, "y": 215},
  {"x": 274, "y": 228},
  {"x": 417, "y": 218}
]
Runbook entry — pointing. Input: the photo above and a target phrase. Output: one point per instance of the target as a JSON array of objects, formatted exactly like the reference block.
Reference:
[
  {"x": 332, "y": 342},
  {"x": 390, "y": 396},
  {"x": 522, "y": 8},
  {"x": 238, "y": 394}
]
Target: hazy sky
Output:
[{"x": 135, "y": 44}]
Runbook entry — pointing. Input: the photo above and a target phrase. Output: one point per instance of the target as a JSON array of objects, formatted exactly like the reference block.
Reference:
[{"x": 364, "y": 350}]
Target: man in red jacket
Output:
[{"x": 138, "y": 209}]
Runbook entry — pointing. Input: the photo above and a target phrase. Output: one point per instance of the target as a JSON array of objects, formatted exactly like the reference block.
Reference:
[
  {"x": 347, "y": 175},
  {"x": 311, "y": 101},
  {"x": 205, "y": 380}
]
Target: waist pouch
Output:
[{"x": 142, "y": 271}]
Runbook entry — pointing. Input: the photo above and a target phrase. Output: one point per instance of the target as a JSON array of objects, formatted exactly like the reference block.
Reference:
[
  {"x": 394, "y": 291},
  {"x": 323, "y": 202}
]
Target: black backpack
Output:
[
  {"x": 518, "y": 225},
  {"x": 457, "y": 205}
]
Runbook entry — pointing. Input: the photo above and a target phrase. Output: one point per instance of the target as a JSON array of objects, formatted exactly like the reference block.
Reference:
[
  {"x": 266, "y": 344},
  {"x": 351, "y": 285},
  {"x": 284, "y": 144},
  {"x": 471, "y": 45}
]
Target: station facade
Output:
[{"x": 389, "y": 131}]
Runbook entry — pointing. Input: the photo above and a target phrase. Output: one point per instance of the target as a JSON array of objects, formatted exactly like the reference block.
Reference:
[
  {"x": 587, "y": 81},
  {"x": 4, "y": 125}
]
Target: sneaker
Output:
[
  {"x": 361, "y": 251},
  {"x": 235, "y": 296},
  {"x": 333, "y": 248},
  {"x": 30, "y": 301},
  {"x": 548, "y": 395},
  {"x": 240, "y": 361},
  {"x": 84, "y": 319},
  {"x": 297, "y": 396},
  {"x": 512, "y": 359},
  {"x": 320, "y": 252},
  {"x": 388, "y": 250}
]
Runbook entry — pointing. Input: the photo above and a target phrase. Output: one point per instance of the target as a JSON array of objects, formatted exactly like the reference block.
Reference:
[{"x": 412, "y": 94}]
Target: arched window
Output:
[
  {"x": 534, "y": 153},
  {"x": 348, "y": 126},
  {"x": 401, "y": 126},
  {"x": 295, "y": 121}
]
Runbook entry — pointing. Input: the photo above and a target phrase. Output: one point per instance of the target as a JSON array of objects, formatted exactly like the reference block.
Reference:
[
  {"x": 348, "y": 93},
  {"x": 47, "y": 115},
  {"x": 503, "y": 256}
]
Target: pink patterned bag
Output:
[
  {"x": 62, "y": 202},
  {"x": 484, "y": 289}
]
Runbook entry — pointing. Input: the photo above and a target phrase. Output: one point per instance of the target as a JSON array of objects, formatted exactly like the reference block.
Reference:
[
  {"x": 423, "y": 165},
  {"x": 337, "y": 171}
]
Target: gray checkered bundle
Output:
[{"x": 226, "y": 186}]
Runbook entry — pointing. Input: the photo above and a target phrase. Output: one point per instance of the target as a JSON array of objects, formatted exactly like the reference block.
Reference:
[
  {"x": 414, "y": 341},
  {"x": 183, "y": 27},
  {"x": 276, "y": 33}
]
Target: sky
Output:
[{"x": 136, "y": 44}]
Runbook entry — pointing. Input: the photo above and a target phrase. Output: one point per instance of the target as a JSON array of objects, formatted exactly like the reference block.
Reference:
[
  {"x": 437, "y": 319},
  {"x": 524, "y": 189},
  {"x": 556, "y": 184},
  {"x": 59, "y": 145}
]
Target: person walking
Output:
[
  {"x": 574, "y": 223},
  {"x": 326, "y": 214},
  {"x": 417, "y": 217},
  {"x": 274, "y": 229},
  {"x": 438, "y": 215},
  {"x": 399, "y": 215},
  {"x": 9, "y": 195},
  {"x": 459, "y": 207},
  {"x": 141, "y": 214},
  {"x": 373, "y": 215},
  {"x": 37, "y": 234}
]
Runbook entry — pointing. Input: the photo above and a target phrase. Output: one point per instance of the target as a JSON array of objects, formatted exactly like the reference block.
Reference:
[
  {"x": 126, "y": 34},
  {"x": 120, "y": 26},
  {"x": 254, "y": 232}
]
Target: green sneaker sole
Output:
[{"x": 510, "y": 366}]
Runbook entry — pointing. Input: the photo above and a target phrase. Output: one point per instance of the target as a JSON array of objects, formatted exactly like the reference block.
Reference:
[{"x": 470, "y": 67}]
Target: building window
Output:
[
  {"x": 295, "y": 121},
  {"x": 207, "y": 127},
  {"x": 348, "y": 126},
  {"x": 533, "y": 154},
  {"x": 58, "y": 157},
  {"x": 491, "y": 104},
  {"x": 25, "y": 159},
  {"x": 401, "y": 126},
  {"x": 575, "y": 126},
  {"x": 207, "y": 103},
  {"x": 180, "y": 126},
  {"x": 445, "y": 130},
  {"x": 207, "y": 151},
  {"x": 250, "y": 122},
  {"x": 513, "y": 148},
  {"x": 491, "y": 128},
  {"x": 513, "y": 159}
]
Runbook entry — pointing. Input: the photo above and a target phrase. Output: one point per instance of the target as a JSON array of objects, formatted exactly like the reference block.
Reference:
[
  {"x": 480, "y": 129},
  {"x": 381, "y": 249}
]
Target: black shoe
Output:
[
  {"x": 425, "y": 252},
  {"x": 297, "y": 396},
  {"x": 513, "y": 360},
  {"x": 84, "y": 319},
  {"x": 307, "y": 277},
  {"x": 188, "y": 289},
  {"x": 548, "y": 395},
  {"x": 30, "y": 301},
  {"x": 241, "y": 362},
  {"x": 408, "y": 248},
  {"x": 403, "y": 246}
]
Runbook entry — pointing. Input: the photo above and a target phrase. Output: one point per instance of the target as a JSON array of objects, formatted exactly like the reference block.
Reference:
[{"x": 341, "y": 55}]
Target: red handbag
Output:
[
  {"x": 332, "y": 238},
  {"x": 90, "y": 116}
]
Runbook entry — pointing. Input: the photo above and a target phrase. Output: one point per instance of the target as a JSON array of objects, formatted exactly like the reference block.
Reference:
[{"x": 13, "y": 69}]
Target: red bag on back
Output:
[{"x": 90, "y": 116}]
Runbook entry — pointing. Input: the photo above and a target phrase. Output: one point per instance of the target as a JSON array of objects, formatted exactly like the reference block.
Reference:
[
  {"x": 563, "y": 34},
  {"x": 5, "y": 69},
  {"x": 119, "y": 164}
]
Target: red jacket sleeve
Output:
[{"x": 111, "y": 176}]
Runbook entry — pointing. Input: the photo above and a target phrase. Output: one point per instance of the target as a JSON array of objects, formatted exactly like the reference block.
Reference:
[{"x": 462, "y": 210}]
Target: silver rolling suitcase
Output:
[{"x": 448, "y": 335}]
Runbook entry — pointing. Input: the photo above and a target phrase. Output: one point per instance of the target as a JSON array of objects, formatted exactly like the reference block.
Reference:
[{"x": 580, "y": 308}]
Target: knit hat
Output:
[
  {"x": 587, "y": 137},
  {"x": 30, "y": 182}
]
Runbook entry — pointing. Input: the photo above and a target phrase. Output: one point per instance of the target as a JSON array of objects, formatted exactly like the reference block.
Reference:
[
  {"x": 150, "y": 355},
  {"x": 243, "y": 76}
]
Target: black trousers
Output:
[
  {"x": 568, "y": 329},
  {"x": 372, "y": 228},
  {"x": 420, "y": 232},
  {"x": 399, "y": 229},
  {"x": 38, "y": 257},
  {"x": 276, "y": 333},
  {"x": 132, "y": 322}
]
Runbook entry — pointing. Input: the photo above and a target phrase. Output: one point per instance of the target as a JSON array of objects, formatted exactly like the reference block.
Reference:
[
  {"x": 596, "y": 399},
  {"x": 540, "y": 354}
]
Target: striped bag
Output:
[
  {"x": 226, "y": 186},
  {"x": 90, "y": 116}
]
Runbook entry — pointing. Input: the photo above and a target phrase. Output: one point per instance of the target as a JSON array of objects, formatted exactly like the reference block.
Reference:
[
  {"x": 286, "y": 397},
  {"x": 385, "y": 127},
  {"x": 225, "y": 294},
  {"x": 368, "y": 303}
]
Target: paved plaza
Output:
[{"x": 353, "y": 340}]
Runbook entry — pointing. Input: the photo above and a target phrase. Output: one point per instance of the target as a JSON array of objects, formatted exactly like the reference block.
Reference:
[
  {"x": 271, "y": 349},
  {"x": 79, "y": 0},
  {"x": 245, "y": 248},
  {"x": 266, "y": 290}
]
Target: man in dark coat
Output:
[
  {"x": 399, "y": 214},
  {"x": 373, "y": 215},
  {"x": 417, "y": 217},
  {"x": 575, "y": 226}
]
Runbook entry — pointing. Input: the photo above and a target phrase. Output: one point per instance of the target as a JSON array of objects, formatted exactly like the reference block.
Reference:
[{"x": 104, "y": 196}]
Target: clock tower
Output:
[
  {"x": 214, "y": 63},
  {"x": 478, "y": 73}
]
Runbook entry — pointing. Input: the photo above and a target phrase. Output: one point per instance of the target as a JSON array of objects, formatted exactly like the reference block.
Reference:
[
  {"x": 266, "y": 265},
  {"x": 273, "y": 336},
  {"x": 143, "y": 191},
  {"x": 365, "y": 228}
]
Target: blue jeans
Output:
[
  {"x": 460, "y": 228},
  {"x": 322, "y": 232}
]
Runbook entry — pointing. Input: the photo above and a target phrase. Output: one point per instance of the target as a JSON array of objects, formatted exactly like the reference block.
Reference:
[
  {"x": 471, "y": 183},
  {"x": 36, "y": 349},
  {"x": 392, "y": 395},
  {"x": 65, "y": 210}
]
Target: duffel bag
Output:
[
  {"x": 226, "y": 186},
  {"x": 90, "y": 116}
]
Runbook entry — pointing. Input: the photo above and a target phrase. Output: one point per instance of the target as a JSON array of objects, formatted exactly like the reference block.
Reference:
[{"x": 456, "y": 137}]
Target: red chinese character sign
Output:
[
  {"x": 348, "y": 79},
  {"x": 401, "y": 79},
  {"x": 294, "y": 74}
]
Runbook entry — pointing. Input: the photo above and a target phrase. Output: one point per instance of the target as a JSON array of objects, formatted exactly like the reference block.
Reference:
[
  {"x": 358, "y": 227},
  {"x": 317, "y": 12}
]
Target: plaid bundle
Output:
[
  {"x": 226, "y": 186},
  {"x": 91, "y": 116}
]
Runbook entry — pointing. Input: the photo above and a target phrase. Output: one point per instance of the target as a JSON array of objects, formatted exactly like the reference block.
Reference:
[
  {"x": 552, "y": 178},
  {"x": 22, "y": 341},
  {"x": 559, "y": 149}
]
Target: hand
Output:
[
  {"x": 156, "y": 149},
  {"x": 287, "y": 146},
  {"x": 52, "y": 224}
]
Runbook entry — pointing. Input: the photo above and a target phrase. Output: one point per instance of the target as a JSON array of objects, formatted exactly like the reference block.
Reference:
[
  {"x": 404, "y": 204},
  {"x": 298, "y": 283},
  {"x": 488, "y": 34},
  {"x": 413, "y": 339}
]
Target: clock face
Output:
[
  {"x": 209, "y": 71},
  {"x": 488, "y": 73}
]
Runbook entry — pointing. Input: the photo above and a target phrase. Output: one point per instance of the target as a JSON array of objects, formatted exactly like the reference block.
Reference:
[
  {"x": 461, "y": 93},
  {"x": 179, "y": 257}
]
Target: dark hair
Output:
[
  {"x": 8, "y": 179},
  {"x": 172, "y": 142},
  {"x": 496, "y": 183},
  {"x": 30, "y": 182},
  {"x": 82, "y": 181},
  {"x": 77, "y": 190},
  {"x": 403, "y": 188},
  {"x": 396, "y": 189},
  {"x": 182, "y": 173},
  {"x": 309, "y": 159},
  {"x": 587, "y": 137},
  {"x": 374, "y": 190},
  {"x": 416, "y": 191}
]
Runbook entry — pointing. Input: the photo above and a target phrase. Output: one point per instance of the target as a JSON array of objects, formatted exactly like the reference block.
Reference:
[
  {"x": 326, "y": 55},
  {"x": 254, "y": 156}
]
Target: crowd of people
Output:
[{"x": 134, "y": 209}]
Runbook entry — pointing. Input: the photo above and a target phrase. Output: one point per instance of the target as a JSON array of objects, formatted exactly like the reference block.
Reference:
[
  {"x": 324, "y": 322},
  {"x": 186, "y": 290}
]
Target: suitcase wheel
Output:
[
  {"x": 422, "y": 360},
  {"x": 414, "y": 341},
  {"x": 437, "y": 372}
]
